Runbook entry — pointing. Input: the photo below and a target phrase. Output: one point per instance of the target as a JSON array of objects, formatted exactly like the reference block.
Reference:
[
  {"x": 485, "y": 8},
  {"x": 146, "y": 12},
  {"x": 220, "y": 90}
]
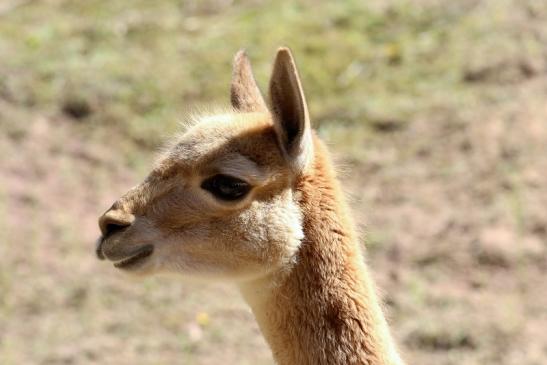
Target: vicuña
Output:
[{"x": 251, "y": 195}]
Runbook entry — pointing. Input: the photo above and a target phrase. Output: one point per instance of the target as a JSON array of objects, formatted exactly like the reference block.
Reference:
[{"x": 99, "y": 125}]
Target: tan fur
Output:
[
  {"x": 289, "y": 244},
  {"x": 324, "y": 310}
]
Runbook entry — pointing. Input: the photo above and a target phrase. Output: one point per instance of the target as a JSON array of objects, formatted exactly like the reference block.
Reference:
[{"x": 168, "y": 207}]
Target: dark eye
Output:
[{"x": 226, "y": 187}]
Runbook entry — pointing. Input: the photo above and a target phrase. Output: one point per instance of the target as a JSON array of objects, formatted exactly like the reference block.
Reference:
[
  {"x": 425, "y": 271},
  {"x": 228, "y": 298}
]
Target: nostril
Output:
[{"x": 112, "y": 227}]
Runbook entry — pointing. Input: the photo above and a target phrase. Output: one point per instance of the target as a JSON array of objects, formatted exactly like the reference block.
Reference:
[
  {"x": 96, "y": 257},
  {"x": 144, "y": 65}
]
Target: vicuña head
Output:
[{"x": 250, "y": 196}]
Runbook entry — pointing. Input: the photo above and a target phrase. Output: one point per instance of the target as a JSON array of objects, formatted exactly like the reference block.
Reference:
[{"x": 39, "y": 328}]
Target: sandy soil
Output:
[
  {"x": 452, "y": 210},
  {"x": 452, "y": 202}
]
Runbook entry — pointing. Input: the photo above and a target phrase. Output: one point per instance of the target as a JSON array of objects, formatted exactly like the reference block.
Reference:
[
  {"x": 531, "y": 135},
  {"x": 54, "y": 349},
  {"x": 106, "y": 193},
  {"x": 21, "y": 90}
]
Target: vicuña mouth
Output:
[{"x": 138, "y": 257}]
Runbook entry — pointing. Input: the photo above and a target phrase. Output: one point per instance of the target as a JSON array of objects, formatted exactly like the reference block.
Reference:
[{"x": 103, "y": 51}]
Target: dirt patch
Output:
[
  {"x": 454, "y": 218},
  {"x": 455, "y": 225}
]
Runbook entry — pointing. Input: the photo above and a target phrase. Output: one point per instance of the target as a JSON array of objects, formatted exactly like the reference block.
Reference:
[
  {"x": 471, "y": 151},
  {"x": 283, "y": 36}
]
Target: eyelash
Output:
[{"x": 225, "y": 187}]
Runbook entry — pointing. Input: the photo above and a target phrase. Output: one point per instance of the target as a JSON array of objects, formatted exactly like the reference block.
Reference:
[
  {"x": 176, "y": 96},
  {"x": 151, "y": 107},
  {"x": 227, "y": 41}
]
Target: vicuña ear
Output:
[
  {"x": 290, "y": 111},
  {"x": 244, "y": 92}
]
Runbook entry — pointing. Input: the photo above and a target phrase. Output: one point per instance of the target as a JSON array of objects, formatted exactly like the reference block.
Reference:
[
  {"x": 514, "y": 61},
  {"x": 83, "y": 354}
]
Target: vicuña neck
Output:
[{"x": 324, "y": 310}]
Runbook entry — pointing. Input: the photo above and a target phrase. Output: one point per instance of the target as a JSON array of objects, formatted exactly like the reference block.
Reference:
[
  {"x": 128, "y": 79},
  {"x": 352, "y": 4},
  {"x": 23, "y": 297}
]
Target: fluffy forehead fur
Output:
[{"x": 231, "y": 143}]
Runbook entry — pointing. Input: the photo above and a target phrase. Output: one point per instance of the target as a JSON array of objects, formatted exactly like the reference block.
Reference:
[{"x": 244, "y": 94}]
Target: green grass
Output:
[{"x": 140, "y": 66}]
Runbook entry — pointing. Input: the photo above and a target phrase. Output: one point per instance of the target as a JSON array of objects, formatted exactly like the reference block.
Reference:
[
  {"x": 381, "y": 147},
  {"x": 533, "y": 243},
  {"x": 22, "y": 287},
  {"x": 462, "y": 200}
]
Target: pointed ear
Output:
[
  {"x": 289, "y": 109},
  {"x": 244, "y": 92}
]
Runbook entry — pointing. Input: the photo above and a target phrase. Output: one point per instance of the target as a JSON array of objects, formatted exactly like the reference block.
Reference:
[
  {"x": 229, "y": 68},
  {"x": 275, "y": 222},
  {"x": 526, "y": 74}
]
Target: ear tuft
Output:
[{"x": 244, "y": 92}]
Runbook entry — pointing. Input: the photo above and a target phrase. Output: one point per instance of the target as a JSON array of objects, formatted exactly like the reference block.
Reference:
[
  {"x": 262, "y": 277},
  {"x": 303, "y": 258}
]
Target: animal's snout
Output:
[{"x": 114, "y": 220}]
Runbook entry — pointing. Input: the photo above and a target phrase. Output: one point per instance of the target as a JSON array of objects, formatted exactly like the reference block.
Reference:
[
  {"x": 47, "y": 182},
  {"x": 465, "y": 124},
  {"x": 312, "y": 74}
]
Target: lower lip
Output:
[
  {"x": 136, "y": 259},
  {"x": 99, "y": 249}
]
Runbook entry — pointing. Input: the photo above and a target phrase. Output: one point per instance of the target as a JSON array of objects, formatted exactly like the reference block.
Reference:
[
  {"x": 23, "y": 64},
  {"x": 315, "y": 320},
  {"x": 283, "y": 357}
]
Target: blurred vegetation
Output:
[{"x": 138, "y": 66}]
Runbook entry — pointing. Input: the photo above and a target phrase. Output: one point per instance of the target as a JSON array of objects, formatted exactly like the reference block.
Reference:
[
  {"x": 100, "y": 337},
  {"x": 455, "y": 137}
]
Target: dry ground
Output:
[{"x": 450, "y": 193}]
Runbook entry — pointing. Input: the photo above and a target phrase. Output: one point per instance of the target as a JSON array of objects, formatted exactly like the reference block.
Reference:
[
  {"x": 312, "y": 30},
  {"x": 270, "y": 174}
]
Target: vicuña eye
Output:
[{"x": 226, "y": 187}]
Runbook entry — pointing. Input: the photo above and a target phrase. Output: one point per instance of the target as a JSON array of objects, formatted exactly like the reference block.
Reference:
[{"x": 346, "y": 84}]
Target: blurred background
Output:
[{"x": 436, "y": 110}]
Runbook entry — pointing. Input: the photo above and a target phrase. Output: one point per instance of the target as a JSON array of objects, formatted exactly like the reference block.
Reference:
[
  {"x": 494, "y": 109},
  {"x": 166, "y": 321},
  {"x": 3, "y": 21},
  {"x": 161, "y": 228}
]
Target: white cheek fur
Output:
[
  {"x": 264, "y": 237},
  {"x": 274, "y": 228}
]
